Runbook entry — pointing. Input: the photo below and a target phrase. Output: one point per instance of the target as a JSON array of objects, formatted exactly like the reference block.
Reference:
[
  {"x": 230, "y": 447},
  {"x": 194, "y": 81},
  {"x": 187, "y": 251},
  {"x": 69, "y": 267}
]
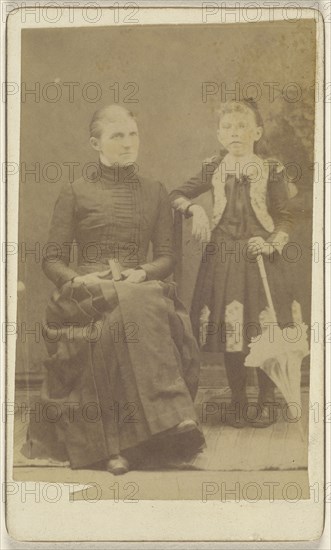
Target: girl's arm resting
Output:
[
  {"x": 183, "y": 206},
  {"x": 163, "y": 241},
  {"x": 57, "y": 254},
  {"x": 181, "y": 196}
]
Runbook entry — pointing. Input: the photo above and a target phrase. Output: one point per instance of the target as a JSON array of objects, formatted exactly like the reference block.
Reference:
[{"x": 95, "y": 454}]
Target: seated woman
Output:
[{"x": 123, "y": 364}]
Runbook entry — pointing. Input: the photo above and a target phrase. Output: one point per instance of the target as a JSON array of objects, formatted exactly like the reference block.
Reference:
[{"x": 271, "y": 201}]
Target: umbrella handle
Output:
[{"x": 263, "y": 274}]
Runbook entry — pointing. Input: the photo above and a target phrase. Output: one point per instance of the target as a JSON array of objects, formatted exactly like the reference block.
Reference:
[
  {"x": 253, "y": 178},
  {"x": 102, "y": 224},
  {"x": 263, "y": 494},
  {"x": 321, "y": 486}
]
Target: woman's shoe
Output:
[
  {"x": 185, "y": 426},
  {"x": 118, "y": 465},
  {"x": 181, "y": 428},
  {"x": 180, "y": 442}
]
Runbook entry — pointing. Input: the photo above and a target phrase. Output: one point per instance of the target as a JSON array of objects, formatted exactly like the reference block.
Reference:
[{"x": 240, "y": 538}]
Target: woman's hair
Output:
[
  {"x": 241, "y": 106},
  {"x": 110, "y": 113}
]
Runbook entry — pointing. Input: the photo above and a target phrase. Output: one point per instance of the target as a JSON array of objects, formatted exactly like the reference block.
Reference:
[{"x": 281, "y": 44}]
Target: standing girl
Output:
[{"x": 250, "y": 217}]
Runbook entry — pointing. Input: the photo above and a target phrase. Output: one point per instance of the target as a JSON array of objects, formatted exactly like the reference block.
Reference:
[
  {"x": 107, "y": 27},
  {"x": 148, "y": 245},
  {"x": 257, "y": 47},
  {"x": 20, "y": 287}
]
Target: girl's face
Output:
[
  {"x": 118, "y": 143},
  {"x": 238, "y": 132}
]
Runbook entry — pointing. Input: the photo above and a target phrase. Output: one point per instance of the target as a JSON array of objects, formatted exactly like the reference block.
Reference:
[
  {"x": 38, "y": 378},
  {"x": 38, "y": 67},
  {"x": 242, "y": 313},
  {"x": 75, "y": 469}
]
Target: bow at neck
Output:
[{"x": 244, "y": 169}]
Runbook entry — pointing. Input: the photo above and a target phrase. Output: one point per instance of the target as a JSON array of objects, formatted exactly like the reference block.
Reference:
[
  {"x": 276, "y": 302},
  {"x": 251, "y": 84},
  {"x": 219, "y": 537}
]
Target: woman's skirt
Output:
[
  {"x": 229, "y": 305},
  {"x": 123, "y": 369}
]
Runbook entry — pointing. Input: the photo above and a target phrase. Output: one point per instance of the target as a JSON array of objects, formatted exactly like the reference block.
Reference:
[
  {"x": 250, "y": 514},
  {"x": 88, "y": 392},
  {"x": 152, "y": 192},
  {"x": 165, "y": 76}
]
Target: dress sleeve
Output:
[
  {"x": 60, "y": 239},
  {"x": 279, "y": 210},
  {"x": 162, "y": 240},
  {"x": 181, "y": 196}
]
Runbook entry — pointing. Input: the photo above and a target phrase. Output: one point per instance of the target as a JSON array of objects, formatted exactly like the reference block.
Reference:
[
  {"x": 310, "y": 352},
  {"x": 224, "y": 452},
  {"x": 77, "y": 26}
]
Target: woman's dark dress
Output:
[{"x": 132, "y": 375}]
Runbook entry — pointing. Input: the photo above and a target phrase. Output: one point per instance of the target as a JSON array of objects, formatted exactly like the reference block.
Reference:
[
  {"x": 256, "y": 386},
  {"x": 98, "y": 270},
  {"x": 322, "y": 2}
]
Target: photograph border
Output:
[{"x": 317, "y": 388}]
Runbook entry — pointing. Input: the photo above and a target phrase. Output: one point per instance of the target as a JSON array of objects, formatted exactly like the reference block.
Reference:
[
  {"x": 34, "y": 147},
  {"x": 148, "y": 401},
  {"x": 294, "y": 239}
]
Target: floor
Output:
[{"x": 277, "y": 454}]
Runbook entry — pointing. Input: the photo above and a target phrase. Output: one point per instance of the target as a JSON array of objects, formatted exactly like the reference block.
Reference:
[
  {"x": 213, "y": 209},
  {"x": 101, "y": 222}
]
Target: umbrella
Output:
[{"x": 279, "y": 353}]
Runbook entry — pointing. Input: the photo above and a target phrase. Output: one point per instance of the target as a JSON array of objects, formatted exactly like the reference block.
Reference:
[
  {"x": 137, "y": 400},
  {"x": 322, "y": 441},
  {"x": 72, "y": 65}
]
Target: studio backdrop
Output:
[{"x": 174, "y": 79}]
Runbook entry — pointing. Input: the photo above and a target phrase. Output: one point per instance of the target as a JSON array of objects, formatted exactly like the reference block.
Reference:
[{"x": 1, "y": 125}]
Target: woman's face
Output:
[
  {"x": 118, "y": 143},
  {"x": 238, "y": 132}
]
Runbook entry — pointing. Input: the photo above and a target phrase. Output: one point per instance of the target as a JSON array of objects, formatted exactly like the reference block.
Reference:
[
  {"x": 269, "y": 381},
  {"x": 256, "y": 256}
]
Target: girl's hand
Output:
[
  {"x": 257, "y": 246},
  {"x": 134, "y": 275},
  {"x": 200, "y": 225}
]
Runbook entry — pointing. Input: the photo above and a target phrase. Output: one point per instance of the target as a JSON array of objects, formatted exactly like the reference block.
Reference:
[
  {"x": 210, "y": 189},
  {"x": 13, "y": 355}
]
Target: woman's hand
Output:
[
  {"x": 90, "y": 278},
  {"x": 257, "y": 246},
  {"x": 134, "y": 275},
  {"x": 200, "y": 225}
]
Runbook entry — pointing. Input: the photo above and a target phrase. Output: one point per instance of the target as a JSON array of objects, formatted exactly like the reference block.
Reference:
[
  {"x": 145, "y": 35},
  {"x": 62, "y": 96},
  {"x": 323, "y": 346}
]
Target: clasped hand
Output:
[
  {"x": 134, "y": 275},
  {"x": 129, "y": 275},
  {"x": 257, "y": 246}
]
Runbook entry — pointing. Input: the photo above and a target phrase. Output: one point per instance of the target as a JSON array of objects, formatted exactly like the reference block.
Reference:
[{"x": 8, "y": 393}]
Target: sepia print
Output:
[{"x": 164, "y": 343}]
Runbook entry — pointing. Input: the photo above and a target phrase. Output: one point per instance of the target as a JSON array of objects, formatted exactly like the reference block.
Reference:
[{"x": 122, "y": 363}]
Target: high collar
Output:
[{"x": 116, "y": 174}]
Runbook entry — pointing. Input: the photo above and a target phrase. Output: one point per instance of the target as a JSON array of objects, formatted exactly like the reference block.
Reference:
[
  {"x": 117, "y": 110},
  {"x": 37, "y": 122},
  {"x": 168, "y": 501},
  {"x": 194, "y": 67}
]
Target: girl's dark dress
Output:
[
  {"x": 229, "y": 283},
  {"x": 123, "y": 363}
]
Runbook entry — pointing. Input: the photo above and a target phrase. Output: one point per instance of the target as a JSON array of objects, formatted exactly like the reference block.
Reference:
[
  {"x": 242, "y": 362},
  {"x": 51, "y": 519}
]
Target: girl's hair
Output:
[
  {"x": 241, "y": 107},
  {"x": 110, "y": 113}
]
